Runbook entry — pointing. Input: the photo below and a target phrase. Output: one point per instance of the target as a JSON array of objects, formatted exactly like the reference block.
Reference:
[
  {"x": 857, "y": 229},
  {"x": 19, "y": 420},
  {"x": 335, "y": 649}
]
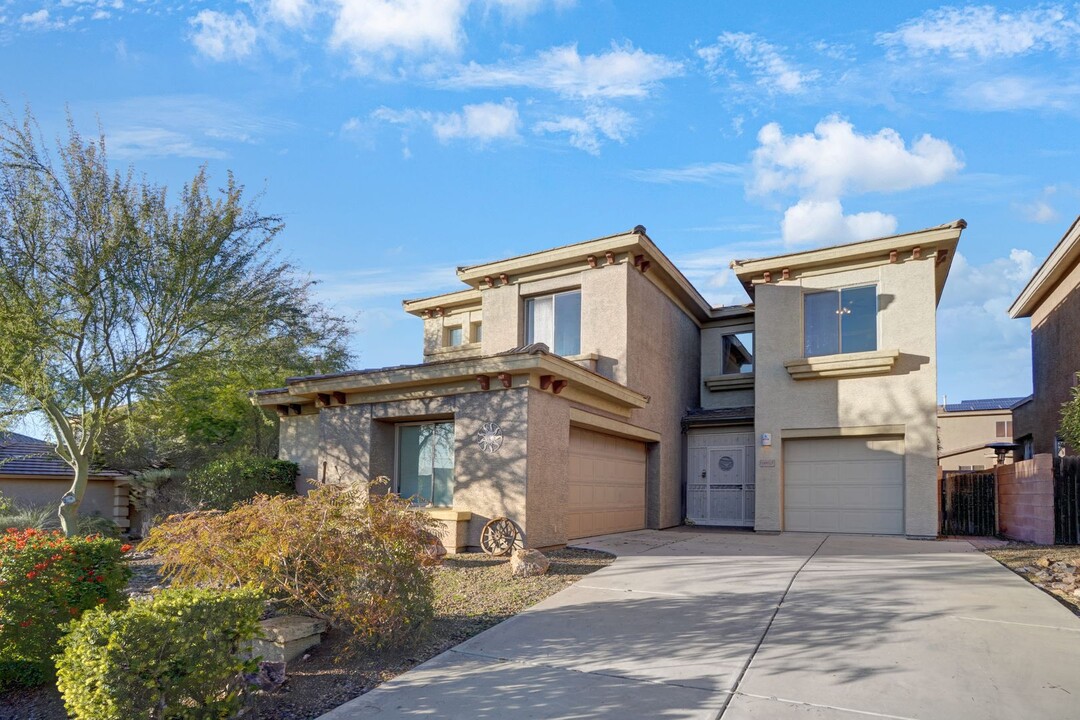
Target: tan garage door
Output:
[
  {"x": 844, "y": 485},
  {"x": 607, "y": 484}
]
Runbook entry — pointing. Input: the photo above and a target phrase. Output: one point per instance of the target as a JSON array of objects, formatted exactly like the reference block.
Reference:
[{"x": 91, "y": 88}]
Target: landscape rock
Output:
[
  {"x": 434, "y": 553},
  {"x": 1043, "y": 562},
  {"x": 269, "y": 676},
  {"x": 285, "y": 638},
  {"x": 526, "y": 563}
]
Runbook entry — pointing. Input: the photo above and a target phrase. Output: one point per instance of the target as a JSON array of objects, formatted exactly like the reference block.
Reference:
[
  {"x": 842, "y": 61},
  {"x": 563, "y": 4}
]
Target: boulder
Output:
[
  {"x": 286, "y": 637},
  {"x": 526, "y": 563},
  {"x": 434, "y": 552}
]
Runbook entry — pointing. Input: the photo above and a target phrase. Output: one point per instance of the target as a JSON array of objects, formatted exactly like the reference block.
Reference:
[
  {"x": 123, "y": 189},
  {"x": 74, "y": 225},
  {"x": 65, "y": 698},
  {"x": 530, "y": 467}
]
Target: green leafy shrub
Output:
[
  {"x": 6, "y": 505},
  {"x": 174, "y": 656},
  {"x": 45, "y": 581},
  {"x": 223, "y": 483},
  {"x": 349, "y": 557}
]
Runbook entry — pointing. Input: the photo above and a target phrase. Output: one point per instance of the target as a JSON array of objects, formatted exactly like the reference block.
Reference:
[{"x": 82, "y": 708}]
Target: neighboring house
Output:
[
  {"x": 1052, "y": 302},
  {"x": 32, "y": 474},
  {"x": 965, "y": 429},
  {"x": 590, "y": 389}
]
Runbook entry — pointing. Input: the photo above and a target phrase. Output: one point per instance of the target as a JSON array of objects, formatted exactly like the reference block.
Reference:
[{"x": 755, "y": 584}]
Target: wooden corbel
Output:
[
  {"x": 296, "y": 409},
  {"x": 916, "y": 253},
  {"x": 545, "y": 381},
  {"x": 785, "y": 274},
  {"x": 768, "y": 277},
  {"x": 324, "y": 399},
  {"x": 506, "y": 379},
  {"x": 504, "y": 279},
  {"x": 488, "y": 281},
  {"x": 485, "y": 382},
  {"x": 638, "y": 259},
  {"x": 610, "y": 257},
  {"x": 942, "y": 256},
  {"x": 282, "y": 410},
  {"x": 340, "y": 397},
  {"x": 591, "y": 260},
  {"x": 558, "y": 386},
  {"x": 644, "y": 266},
  {"x": 893, "y": 256}
]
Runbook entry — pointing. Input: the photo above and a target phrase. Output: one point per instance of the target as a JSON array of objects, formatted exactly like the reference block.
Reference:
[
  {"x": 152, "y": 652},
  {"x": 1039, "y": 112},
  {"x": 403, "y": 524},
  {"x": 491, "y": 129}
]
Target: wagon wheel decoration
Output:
[{"x": 498, "y": 537}]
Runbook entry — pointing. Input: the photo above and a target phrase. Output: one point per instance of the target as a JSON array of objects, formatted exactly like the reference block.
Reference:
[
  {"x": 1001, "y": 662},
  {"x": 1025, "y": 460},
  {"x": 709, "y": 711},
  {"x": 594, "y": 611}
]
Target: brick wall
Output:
[{"x": 1026, "y": 500}]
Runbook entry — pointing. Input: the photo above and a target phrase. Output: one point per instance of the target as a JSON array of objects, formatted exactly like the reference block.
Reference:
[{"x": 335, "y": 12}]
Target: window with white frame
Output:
[
  {"x": 737, "y": 353},
  {"x": 840, "y": 321},
  {"x": 425, "y": 463},
  {"x": 555, "y": 320}
]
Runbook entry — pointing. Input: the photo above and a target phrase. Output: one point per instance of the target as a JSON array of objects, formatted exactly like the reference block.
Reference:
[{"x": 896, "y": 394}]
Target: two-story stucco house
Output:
[{"x": 591, "y": 389}]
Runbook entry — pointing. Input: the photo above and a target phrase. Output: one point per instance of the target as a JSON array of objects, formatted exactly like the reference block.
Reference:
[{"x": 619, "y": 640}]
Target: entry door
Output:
[{"x": 718, "y": 492}]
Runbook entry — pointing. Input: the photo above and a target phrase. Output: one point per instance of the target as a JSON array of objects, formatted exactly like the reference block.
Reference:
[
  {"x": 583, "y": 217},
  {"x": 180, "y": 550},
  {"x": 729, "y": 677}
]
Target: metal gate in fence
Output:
[
  {"x": 969, "y": 503},
  {"x": 1067, "y": 500}
]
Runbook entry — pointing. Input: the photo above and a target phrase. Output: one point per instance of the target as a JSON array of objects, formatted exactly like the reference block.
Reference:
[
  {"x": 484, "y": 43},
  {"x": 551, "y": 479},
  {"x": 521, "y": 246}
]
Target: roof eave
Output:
[{"x": 1053, "y": 269}]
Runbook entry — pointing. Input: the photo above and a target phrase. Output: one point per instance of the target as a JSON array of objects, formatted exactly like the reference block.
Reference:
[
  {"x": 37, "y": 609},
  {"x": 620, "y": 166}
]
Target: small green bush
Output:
[
  {"x": 46, "y": 580},
  {"x": 176, "y": 656},
  {"x": 353, "y": 559},
  {"x": 223, "y": 483},
  {"x": 6, "y": 505},
  {"x": 44, "y": 517}
]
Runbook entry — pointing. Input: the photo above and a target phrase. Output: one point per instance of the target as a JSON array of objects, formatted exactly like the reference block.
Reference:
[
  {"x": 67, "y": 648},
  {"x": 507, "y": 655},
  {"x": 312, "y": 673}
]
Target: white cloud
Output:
[
  {"x": 220, "y": 36},
  {"x": 291, "y": 13},
  {"x": 484, "y": 123},
  {"x": 621, "y": 72},
  {"x": 386, "y": 28},
  {"x": 984, "y": 32},
  {"x": 764, "y": 60},
  {"x": 824, "y": 221},
  {"x": 695, "y": 173},
  {"x": 835, "y": 160},
  {"x": 40, "y": 20},
  {"x": 1013, "y": 92},
  {"x": 974, "y": 314},
  {"x": 587, "y": 132},
  {"x": 1041, "y": 210}
]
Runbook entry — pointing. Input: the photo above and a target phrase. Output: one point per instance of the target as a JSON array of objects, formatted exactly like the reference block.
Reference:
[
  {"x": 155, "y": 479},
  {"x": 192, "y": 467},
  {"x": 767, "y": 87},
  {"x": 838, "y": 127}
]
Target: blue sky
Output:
[{"x": 401, "y": 138}]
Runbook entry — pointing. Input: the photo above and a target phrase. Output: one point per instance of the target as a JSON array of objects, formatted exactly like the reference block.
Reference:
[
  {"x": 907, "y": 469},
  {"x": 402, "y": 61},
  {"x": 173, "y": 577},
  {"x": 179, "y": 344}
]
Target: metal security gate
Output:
[
  {"x": 969, "y": 504},
  {"x": 1067, "y": 500},
  {"x": 717, "y": 490}
]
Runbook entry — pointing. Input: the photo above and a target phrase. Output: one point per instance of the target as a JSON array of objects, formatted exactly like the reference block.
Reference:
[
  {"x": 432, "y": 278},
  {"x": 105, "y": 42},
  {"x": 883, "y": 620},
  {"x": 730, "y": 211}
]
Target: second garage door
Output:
[
  {"x": 844, "y": 485},
  {"x": 607, "y": 484}
]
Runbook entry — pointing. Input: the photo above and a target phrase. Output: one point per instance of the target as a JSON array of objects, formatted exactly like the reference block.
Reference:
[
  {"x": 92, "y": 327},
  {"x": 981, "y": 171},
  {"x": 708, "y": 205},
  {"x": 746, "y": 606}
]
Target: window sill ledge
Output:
[
  {"x": 733, "y": 381},
  {"x": 876, "y": 362}
]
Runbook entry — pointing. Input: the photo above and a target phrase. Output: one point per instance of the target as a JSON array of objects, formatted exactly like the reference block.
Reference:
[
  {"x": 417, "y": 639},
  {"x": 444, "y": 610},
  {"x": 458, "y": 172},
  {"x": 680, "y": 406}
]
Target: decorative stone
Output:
[
  {"x": 526, "y": 563},
  {"x": 1043, "y": 562},
  {"x": 286, "y": 638},
  {"x": 269, "y": 676},
  {"x": 434, "y": 553}
]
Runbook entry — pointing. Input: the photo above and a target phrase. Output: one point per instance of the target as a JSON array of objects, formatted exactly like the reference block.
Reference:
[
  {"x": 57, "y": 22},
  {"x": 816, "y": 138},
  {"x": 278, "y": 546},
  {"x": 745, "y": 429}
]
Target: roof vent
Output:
[{"x": 639, "y": 229}]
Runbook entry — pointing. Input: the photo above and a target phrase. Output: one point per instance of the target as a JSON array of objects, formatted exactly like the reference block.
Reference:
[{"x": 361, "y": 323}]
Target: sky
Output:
[{"x": 400, "y": 139}]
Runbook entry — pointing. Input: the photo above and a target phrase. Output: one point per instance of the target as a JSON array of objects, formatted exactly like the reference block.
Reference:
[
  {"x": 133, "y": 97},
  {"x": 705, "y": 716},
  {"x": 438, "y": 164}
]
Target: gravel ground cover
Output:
[{"x": 472, "y": 593}]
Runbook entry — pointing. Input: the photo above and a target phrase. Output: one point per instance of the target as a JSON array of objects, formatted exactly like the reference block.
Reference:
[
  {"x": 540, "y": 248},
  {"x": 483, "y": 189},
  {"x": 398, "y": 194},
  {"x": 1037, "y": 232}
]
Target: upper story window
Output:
[
  {"x": 477, "y": 332},
  {"x": 737, "y": 353},
  {"x": 454, "y": 336},
  {"x": 555, "y": 320},
  {"x": 840, "y": 321},
  {"x": 1004, "y": 429}
]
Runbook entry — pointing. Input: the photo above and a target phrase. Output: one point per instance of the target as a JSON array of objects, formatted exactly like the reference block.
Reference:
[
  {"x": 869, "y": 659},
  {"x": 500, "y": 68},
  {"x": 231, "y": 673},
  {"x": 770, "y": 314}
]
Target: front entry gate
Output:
[{"x": 719, "y": 489}]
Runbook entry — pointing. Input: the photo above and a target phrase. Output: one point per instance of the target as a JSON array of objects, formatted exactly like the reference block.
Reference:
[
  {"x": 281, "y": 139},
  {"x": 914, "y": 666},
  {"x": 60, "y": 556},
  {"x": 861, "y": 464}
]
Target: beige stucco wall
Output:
[
  {"x": 436, "y": 328},
  {"x": 298, "y": 442},
  {"x": 963, "y": 429},
  {"x": 712, "y": 336},
  {"x": 548, "y": 465},
  {"x": 98, "y": 500},
  {"x": 663, "y": 353},
  {"x": 905, "y": 397}
]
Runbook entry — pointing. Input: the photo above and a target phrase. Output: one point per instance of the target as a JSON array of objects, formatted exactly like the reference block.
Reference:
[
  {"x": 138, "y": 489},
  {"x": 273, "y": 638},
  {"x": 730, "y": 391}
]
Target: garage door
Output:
[
  {"x": 844, "y": 485},
  {"x": 607, "y": 484}
]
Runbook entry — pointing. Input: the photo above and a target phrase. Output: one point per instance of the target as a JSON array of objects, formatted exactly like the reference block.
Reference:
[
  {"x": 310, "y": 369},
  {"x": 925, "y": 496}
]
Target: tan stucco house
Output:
[
  {"x": 590, "y": 389},
  {"x": 33, "y": 475},
  {"x": 967, "y": 429},
  {"x": 1052, "y": 300}
]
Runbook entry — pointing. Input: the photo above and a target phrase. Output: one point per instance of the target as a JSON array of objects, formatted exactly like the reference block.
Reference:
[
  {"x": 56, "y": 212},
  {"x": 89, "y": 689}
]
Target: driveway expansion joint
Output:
[{"x": 761, "y": 640}]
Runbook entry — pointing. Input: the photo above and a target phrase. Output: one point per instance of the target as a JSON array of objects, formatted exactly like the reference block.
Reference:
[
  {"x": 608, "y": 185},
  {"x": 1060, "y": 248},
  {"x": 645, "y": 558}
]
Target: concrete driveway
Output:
[{"x": 698, "y": 624}]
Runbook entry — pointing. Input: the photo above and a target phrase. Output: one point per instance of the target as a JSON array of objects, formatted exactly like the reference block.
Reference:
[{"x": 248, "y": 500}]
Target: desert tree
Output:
[{"x": 110, "y": 289}]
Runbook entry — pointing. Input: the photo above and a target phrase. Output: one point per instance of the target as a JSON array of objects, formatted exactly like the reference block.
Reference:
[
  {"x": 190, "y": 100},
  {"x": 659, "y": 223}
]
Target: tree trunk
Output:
[{"x": 69, "y": 512}]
